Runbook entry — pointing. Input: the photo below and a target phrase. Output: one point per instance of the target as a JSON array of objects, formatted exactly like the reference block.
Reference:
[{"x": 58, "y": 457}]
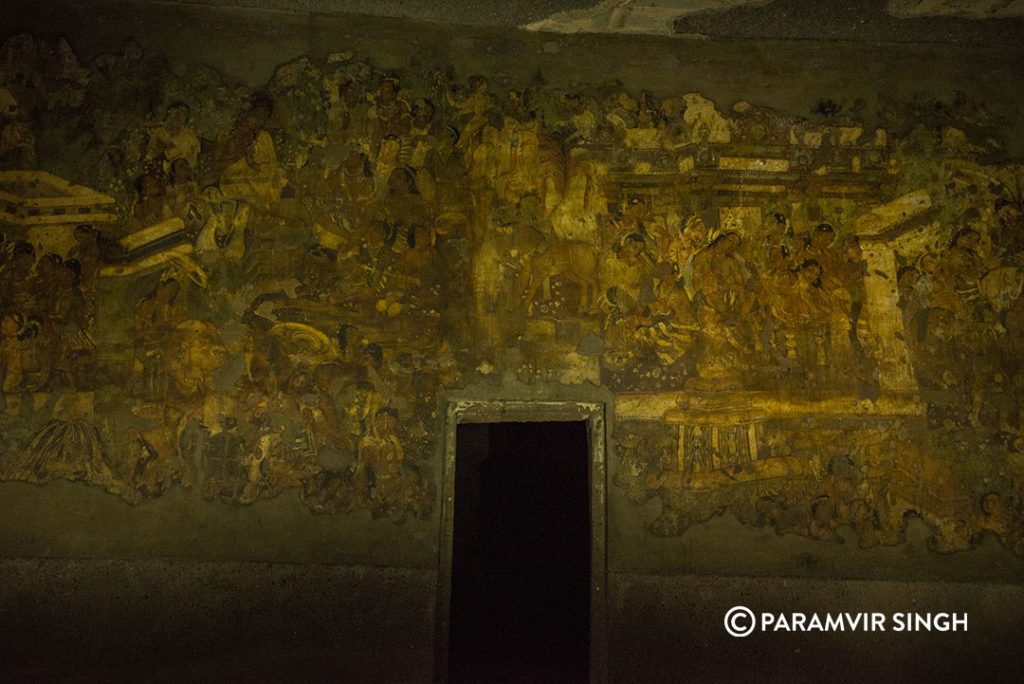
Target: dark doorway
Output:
[{"x": 520, "y": 592}]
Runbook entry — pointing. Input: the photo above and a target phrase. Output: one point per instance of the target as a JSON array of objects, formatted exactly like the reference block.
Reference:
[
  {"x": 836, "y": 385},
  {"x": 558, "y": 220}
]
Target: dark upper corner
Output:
[{"x": 845, "y": 20}]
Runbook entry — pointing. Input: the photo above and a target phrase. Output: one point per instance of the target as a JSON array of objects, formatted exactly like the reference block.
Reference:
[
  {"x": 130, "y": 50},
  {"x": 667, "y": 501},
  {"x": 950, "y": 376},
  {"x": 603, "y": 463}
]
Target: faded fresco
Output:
[{"x": 806, "y": 321}]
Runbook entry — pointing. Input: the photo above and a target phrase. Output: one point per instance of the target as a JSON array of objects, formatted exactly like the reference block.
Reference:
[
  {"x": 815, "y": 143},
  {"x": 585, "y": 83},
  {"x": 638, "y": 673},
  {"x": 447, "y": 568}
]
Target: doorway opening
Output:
[
  {"x": 521, "y": 579},
  {"x": 520, "y": 588}
]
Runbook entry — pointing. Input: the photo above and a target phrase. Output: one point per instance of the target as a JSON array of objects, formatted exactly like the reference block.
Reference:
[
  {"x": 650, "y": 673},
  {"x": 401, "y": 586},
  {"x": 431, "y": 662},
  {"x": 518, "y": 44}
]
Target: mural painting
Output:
[{"x": 810, "y": 323}]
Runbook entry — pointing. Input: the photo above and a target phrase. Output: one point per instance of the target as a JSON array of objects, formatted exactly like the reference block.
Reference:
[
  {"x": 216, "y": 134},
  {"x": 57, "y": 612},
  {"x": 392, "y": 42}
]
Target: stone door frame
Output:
[{"x": 544, "y": 411}]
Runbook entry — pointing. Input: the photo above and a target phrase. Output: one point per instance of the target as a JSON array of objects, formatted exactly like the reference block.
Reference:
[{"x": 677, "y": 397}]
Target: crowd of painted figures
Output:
[
  {"x": 859, "y": 485},
  {"x": 346, "y": 242}
]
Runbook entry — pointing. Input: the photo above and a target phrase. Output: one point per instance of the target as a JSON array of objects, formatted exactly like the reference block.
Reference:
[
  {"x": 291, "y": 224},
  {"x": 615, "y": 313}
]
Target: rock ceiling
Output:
[{"x": 663, "y": 17}]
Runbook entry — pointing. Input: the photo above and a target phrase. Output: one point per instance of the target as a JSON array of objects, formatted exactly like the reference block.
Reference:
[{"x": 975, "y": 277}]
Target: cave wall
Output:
[{"x": 250, "y": 258}]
